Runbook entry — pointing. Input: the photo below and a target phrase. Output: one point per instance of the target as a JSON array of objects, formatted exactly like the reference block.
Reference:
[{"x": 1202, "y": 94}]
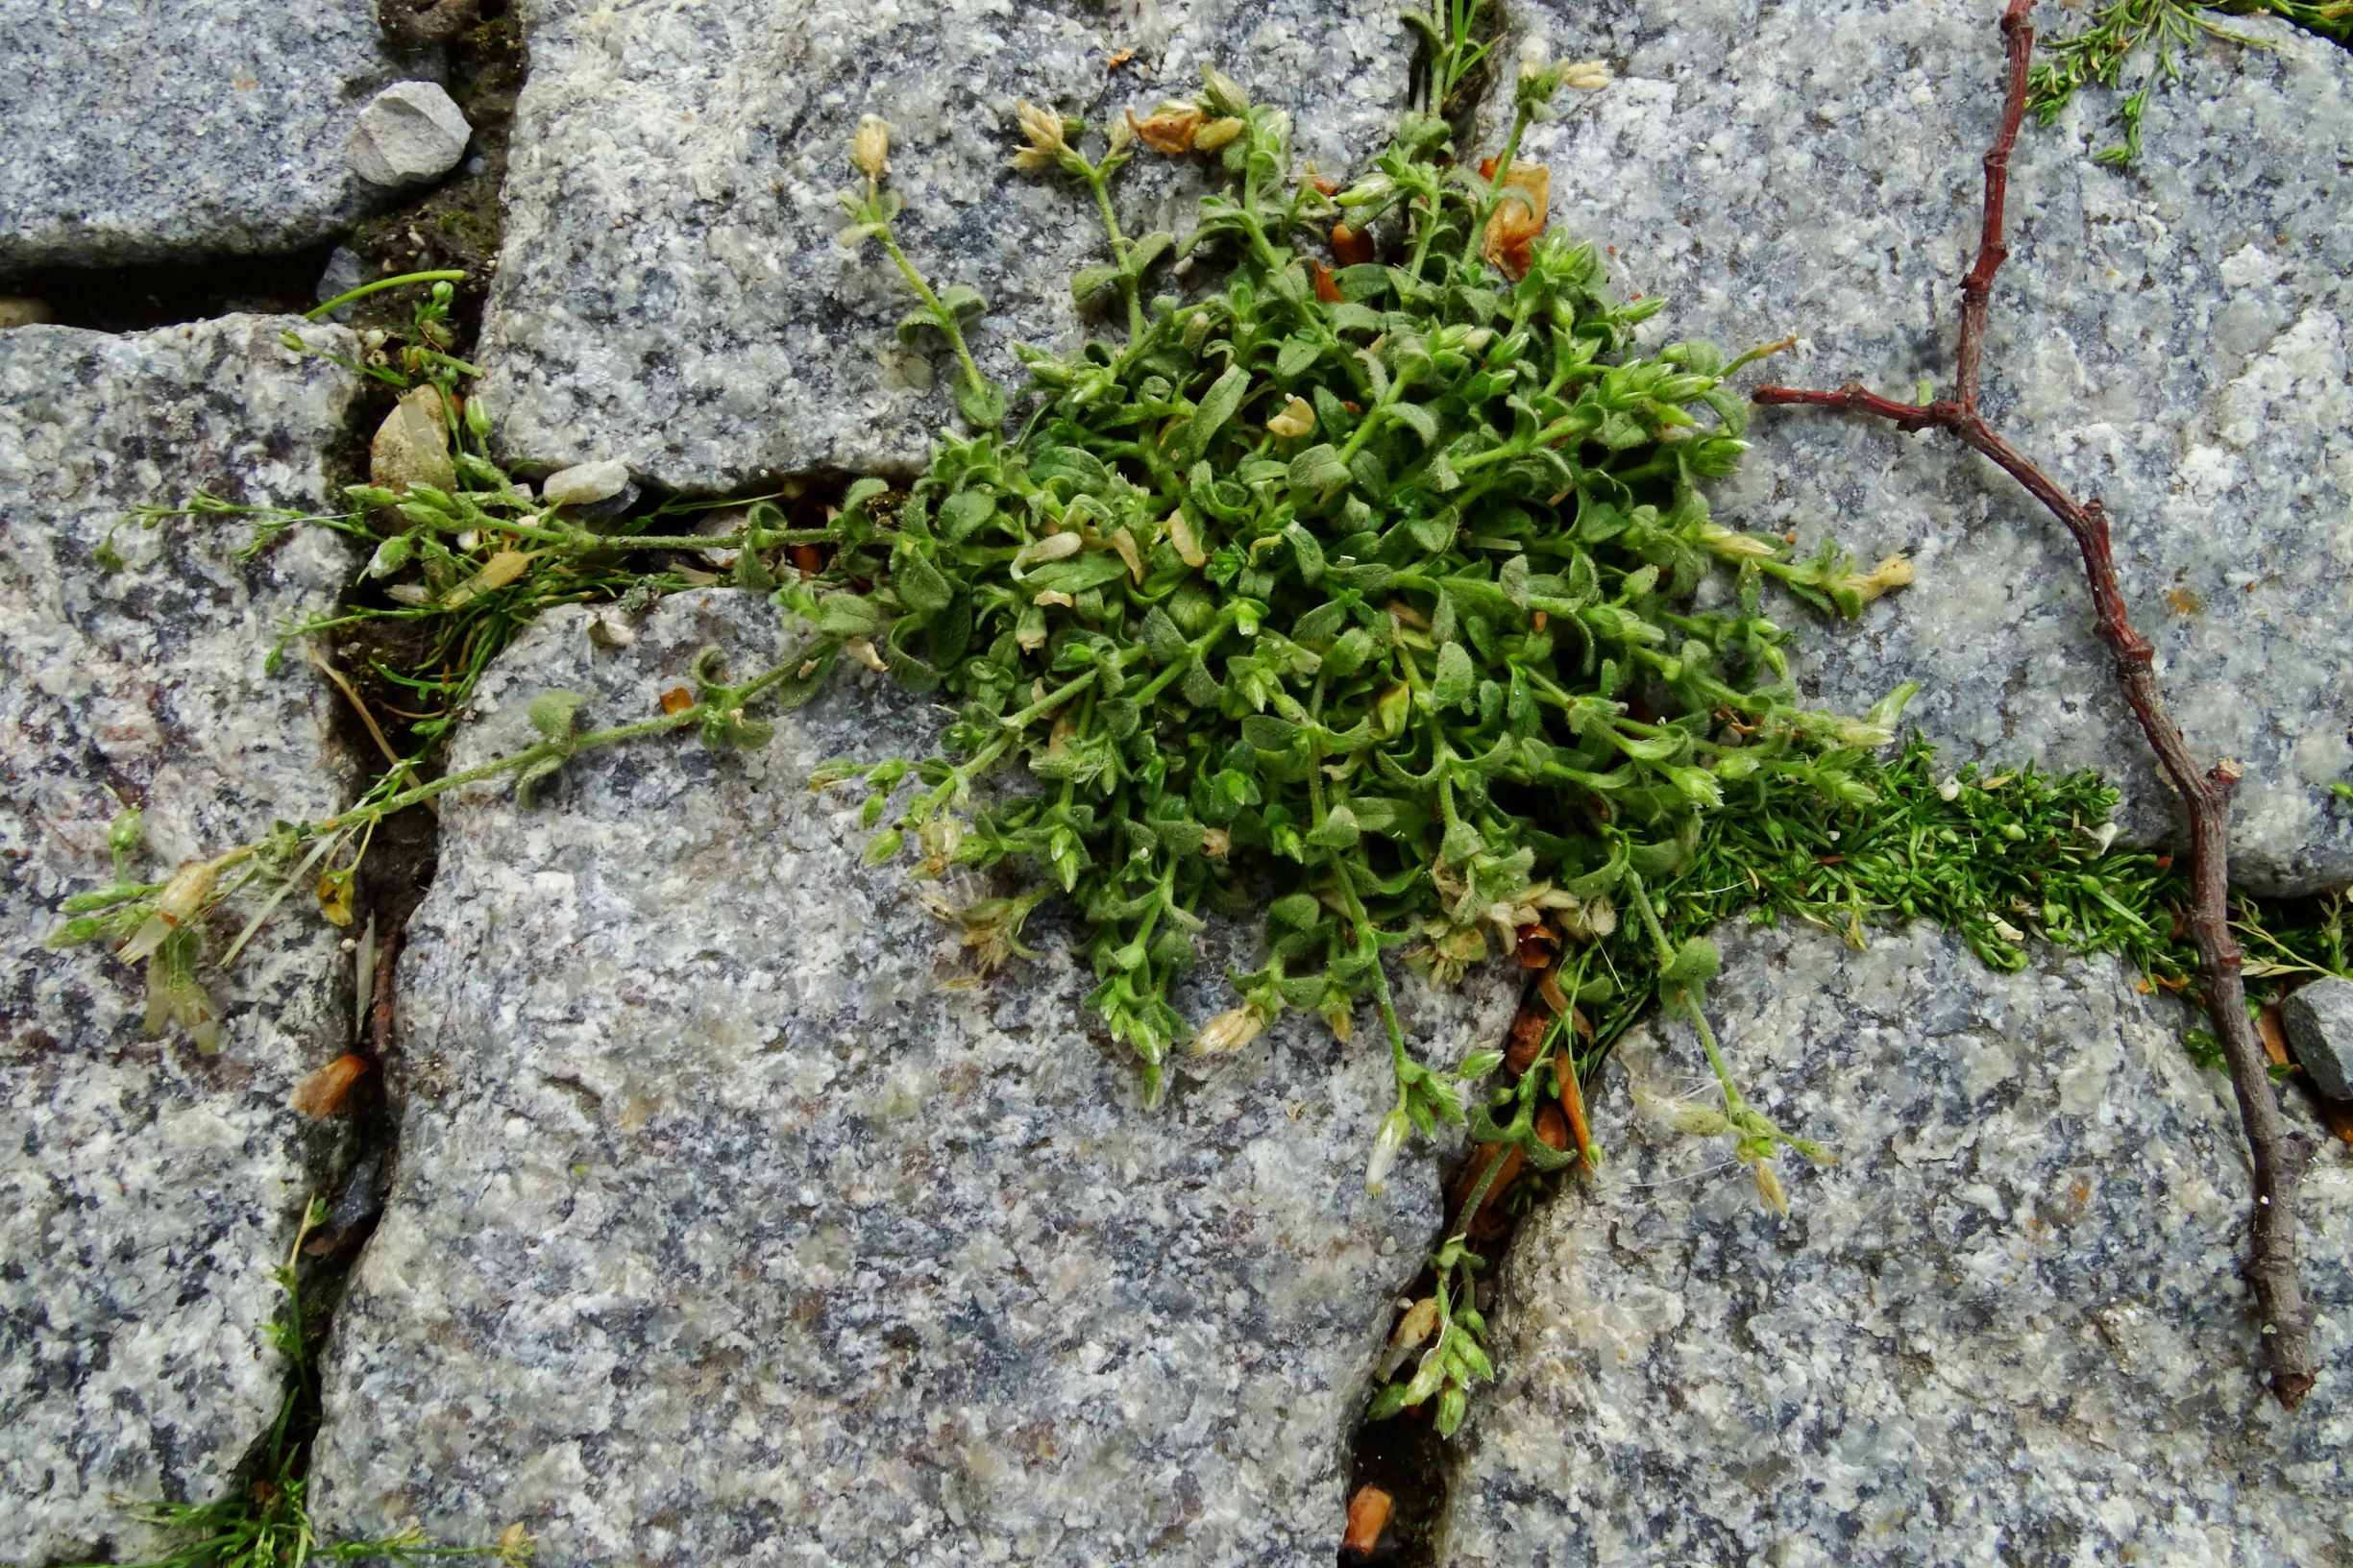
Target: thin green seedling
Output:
[
  {"x": 2156, "y": 31},
  {"x": 265, "y": 1522}
]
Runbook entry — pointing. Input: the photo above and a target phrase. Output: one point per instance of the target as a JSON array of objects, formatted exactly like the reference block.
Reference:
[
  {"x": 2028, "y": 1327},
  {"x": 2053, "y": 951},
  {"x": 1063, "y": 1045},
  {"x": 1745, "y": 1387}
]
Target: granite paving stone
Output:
[
  {"x": 2007, "y": 1326},
  {"x": 671, "y": 293},
  {"x": 737, "y": 1222},
  {"x": 146, "y": 1190},
  {"x": 149, "y": 130},
  {"x": 2169, "y": 336}
]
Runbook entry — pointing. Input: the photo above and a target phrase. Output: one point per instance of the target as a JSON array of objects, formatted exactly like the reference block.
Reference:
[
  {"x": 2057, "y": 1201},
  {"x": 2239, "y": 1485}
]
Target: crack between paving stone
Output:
[
  {"x": 1404, "y": 1456},
  {"x": 442, "y": 226}
]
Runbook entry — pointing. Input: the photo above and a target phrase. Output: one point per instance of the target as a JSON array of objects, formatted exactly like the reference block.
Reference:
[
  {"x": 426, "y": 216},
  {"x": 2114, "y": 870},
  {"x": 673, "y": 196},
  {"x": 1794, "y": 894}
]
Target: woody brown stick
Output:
[{"x": 2279, "y": 1154}]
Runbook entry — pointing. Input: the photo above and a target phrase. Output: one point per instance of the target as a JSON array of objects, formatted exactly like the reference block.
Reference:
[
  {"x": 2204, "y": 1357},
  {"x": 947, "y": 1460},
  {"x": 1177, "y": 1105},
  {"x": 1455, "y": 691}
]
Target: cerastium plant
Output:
[{"x": 1360, "y": 594}]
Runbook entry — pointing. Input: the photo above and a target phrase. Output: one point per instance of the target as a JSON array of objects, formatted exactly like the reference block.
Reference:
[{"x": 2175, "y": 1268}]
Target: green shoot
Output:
[
  {"x": 2128, "y": 29},
  {"x": 265, "y": 1522}
]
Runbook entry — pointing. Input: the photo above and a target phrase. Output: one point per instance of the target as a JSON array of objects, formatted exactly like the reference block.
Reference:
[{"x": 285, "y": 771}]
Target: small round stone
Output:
[{"x": 411, "y": 131}]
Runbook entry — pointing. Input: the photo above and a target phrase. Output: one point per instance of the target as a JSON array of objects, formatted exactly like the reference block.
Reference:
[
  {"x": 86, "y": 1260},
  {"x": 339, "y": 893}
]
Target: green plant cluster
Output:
[
  {"x": 2119, "y": 30},
  {"x": 457, "y": 570},
  {"x": 1361, "y": 597}
]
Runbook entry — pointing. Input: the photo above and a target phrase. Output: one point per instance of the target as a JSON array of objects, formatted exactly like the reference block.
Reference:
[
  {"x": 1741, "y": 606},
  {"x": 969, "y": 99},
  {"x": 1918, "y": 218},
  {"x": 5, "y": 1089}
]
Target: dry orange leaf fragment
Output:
[
  {"x": 1350, "y": 247},
  {"x": 327, "y": 1090},
  {"x": 1368, "y": 1515},
  {"x": 2274, "y": 1034},
  {"x": 2339, "y": 1119},
  {"x": 1326, "y": 289},
  {"x": 1573, "y": 1104},
  {"x": 1518, "y": 217},
  {"x": 1537, "y": 945},
  {"x": 677, "y": 699},
  {"x": 1168, "y": 129}
]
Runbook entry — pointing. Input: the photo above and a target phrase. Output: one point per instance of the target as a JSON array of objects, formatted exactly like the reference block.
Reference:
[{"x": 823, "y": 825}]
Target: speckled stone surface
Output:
[
  {"x": 147, "y": 1192},
  {"x": 2170, "y": 337},
  {"x": 731, "y": 1227},
  {"x": 2007, "y": 1327},
  {"x": 140, "y": 131},
  {"x": 671, "y": 293},
  {"x": 2319, "y": 1023}
]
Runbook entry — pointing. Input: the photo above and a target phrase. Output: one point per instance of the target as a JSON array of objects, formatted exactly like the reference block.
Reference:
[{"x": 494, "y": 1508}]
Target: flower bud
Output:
[
  {"x": 1414, "y": 1327},
  {"x": 1586, "y": 76},
  {"x": 1685, "y": 1118},
  {"x": 1734, "y": 546},
  {"x": 1054, "y": 547},
  {"x": 1221, "y": 94},
  {"x": 871, "y": 149},
  {"x": 1395, "y": 1127},
  {"x": 1479, "y": 1063},
  {"x": 125, "y": 832},
  {"x": 1230, "y": 1030},
  {"x": 1170, "y": 130},
  {"x": 1298, "y": 418},
  {"x": 1217, "y": 134},
  {"x": 186, "y": 892},
  {"x": 1895, "y": 572},
  {"x": 1863, "y": 735},
  {"x": 940, "y": 838},
  {"x": 1180, "y": 535}
]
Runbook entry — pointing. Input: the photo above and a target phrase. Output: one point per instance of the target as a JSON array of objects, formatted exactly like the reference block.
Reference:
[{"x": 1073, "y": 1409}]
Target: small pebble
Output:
[
  {"x": 585, "y": 484},
  {"x": 411, "y": 131},
  {"x": 344, "y": 272},
  {"x": 412, "y": 444}
]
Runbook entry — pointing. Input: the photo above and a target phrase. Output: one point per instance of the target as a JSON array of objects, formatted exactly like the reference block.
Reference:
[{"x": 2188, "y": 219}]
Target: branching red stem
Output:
[{"x": 2279, "y": 1153}]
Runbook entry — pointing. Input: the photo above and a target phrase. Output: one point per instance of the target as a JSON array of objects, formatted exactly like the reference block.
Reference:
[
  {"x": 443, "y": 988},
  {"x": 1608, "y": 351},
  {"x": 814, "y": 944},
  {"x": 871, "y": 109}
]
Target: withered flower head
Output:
[
  {"x": 871, "y": 149},
  {"x": 1170, "y": 130},
  {"x": 1043, "y": 129}
]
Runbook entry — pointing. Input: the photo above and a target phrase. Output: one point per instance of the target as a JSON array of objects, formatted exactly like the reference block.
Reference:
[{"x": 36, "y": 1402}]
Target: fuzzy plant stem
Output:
[{"x": 2279, "y": 1153}]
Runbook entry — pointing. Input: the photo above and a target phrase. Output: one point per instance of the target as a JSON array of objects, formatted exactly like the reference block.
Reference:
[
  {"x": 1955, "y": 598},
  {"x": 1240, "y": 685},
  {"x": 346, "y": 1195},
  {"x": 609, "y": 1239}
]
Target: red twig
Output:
[{"x": 2279, "y": 1153}]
